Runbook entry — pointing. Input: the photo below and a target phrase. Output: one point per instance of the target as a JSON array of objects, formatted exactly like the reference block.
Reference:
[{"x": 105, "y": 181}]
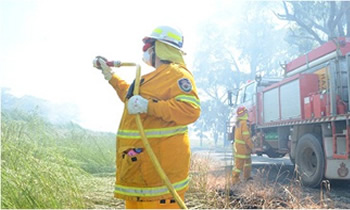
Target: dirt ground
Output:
[
  {"x": 100, "y": 195},
  {"x": 281, "y": 170},
  {"x": 334, "y": 194}
]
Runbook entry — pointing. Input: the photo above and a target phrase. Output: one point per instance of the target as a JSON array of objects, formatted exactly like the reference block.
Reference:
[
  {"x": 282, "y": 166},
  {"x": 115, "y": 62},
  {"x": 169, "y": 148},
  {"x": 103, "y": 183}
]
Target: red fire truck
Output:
[{"x": 305, "y": 114}]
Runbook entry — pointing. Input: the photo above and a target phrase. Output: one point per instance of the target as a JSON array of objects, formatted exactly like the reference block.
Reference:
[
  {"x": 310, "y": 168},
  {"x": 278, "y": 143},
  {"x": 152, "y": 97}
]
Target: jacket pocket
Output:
[{"x": 130, "y": 168}]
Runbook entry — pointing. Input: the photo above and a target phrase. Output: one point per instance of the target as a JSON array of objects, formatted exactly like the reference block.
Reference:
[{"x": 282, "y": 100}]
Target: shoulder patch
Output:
[{"x": 185, "y": 85}]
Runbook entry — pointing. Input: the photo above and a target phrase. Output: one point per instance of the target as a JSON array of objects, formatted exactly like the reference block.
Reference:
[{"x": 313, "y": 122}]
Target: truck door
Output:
[{"x": 247, "y": 97}]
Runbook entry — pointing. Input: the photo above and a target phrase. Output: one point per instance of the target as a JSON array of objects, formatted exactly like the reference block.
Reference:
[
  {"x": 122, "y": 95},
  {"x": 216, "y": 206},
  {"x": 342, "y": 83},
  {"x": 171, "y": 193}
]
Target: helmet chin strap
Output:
[{"x": 154, "y": 58}]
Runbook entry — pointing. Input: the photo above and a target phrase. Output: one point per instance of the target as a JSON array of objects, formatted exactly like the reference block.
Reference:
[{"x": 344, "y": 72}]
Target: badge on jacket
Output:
[{"x": 185, "y": 85}]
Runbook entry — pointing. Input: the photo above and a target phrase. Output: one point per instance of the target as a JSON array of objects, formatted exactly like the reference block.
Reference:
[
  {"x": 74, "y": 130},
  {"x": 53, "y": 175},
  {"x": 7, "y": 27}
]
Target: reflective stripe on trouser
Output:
[
  {"x": 247, "y": 169},
  {"x": 241, "y": 164},
  {"x": 238, "y": 141},
  {"x": 152, "y": 133},
  {"x": 157, "y": 204},
  {"x": 245, "y": 133},
  {"x": 149, "y": 191}
]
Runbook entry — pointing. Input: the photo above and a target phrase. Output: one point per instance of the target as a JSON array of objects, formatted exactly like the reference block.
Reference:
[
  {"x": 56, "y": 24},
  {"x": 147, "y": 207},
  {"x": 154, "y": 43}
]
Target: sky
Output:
[{"x": 47, "y": 47}]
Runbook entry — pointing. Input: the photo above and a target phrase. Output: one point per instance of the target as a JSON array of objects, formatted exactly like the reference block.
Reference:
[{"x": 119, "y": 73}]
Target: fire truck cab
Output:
[{"x": 305, "y": 114}]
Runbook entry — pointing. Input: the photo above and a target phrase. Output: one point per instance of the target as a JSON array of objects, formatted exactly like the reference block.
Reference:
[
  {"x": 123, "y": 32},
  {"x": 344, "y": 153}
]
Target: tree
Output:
[
  {"x": 261, "y": 40},
  {"x": 232, "y": 49},
  {"x": 216, "y": 71},
  {"x": 213, "y": 79},
  {"x": 313, "y": 23}
]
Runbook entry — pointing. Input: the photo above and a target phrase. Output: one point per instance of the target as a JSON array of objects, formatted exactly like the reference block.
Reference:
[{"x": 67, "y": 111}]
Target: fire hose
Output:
[{"x": 144, "y": 139}]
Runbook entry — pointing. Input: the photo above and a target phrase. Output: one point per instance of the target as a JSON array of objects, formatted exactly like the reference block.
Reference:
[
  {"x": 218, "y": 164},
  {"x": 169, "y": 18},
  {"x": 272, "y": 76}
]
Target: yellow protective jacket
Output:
[
  {"x": 243, "y": 144},
  {"x": 173, "y": 104}
]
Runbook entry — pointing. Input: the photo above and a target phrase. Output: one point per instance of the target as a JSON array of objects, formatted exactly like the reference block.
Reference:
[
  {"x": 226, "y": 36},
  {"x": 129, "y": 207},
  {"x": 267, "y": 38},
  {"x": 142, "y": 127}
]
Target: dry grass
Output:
[
  {"x": 99, "y": 193},
  {"x": 214, "y": 191},
  {"x": 48, "y": 167}
]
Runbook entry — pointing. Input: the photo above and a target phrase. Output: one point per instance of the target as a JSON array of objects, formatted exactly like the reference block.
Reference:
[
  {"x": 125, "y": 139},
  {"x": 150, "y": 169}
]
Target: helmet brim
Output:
[{"x": 152, "y": 38}]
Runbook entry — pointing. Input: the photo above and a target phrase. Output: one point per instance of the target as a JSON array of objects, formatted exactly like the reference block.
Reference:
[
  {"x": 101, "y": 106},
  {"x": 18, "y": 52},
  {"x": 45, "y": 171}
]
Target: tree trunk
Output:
[
  {"x": 253, "y": 66},
  {"x": 216, "y": 138},
  {"x": 340, "y": 29},
  {"x": 347, "y": 18},
  {"x": 330, "y": 22}
]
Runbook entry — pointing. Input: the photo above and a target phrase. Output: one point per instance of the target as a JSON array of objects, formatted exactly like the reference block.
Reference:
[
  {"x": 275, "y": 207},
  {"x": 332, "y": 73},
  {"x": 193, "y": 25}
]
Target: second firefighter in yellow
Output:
[{"x": 242, "y": 146}]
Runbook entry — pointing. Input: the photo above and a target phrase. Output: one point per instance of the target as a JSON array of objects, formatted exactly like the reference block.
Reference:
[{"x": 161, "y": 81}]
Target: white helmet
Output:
[{"x": 167, "y": 35}]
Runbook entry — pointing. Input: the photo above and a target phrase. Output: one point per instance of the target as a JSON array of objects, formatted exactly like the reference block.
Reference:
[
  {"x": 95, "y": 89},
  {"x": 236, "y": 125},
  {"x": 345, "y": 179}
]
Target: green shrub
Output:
[{"x": 47, "y": 166}]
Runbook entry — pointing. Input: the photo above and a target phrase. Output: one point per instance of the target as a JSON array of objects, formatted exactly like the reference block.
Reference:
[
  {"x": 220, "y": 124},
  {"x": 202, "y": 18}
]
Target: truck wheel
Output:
[{"x": 310, "y": 160}]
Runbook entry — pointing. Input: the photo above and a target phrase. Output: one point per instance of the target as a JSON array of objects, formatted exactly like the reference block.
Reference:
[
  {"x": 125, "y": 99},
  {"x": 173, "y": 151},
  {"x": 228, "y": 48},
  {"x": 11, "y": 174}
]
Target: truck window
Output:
[
  {"x": 245, "y": 94},
  {"x": 249, "y": 92},
  {"x": 240, "y": 96}
]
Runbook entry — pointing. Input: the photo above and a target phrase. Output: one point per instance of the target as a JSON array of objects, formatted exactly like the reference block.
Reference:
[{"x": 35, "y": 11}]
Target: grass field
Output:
[
  {"x": 60, "y": 167},
  {"x": 50, "y": 166}
]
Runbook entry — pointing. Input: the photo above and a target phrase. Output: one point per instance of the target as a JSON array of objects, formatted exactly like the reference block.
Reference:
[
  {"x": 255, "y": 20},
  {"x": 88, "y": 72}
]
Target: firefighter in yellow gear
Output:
[
  {"x": 242, "y": 146},
  {"x": 167, "y": 103}
]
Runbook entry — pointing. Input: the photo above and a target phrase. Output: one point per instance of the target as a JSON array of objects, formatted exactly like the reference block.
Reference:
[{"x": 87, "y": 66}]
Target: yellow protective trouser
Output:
[
  {"x": 244, "y": 164},
  {"x": 157, "y": 204}
]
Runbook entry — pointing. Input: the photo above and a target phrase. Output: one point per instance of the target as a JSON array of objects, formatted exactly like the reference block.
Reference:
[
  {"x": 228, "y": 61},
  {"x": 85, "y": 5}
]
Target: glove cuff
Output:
[{"x": 108, "y": 75}]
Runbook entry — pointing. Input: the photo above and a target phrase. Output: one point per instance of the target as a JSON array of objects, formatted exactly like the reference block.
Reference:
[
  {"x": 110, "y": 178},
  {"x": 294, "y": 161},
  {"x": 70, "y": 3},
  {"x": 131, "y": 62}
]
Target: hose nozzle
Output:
[{"x": 97, "y": 64}]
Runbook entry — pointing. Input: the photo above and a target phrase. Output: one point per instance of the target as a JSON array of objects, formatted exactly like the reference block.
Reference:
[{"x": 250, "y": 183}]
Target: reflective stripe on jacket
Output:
[
  {"x": 173, "y": 104},
  {"x": 151, "y": 191},
  {"x": 152, "y": 133}
]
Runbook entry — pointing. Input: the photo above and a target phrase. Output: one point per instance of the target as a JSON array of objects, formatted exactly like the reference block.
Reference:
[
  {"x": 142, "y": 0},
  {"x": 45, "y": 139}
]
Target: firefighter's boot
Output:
[
  {"x": 235, "y": 178},
  {"x": 247, "y": 169},
  {"x": 236, "y": 171}
]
